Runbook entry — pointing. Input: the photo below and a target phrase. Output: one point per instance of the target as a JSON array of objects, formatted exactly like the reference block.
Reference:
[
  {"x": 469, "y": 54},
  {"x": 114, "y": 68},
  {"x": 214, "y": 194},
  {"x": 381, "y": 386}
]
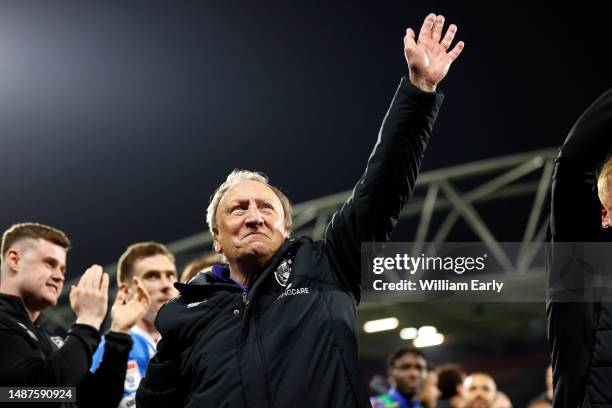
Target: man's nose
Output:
[
  {"x": 253, "y": 217},
  {"x": 167, "y": 282},
  {"x": 58, "y": 275}
]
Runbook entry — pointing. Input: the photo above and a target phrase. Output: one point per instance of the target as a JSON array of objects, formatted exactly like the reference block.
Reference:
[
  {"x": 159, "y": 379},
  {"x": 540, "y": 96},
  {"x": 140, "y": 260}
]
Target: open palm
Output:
[
  {"x": 125, "y": 314},
  {"x": 428, "y": 57}
]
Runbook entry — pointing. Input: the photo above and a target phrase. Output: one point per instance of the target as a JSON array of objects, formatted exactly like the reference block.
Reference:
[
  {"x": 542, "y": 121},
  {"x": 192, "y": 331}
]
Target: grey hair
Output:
[{"x": 236, "y": 177}]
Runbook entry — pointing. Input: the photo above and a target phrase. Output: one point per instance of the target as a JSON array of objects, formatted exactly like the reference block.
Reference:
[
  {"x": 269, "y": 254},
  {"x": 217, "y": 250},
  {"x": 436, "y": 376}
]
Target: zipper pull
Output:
[{"x": 244, "y": 298}]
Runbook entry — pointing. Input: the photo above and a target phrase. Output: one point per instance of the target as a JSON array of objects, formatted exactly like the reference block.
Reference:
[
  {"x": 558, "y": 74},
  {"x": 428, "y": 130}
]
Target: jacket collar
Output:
[
  {"x": 13, "y": 305},
  {"x": 206, "y": 283}
]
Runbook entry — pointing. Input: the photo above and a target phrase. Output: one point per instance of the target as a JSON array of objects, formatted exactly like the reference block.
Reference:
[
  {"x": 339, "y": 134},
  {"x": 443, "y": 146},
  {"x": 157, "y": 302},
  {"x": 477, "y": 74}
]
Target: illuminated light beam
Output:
[
  {"x": 379, "y": 325},
  {"x": 408, "y": 333},
  {"x": 428, "y": 341}
]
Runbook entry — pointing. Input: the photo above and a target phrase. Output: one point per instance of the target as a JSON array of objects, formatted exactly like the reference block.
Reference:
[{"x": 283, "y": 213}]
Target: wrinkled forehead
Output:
[{"x": 248, "y": 190}]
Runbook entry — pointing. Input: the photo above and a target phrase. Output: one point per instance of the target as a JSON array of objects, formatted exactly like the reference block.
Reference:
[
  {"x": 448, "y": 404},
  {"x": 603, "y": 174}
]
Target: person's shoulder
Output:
[
  {"x": 383, "y": 401},
  {"x": 140, "y": 350}
]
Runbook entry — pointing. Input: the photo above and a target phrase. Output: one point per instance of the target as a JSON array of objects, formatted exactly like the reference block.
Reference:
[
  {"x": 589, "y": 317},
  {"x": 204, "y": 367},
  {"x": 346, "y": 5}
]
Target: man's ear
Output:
[
  {"x": 605, "y": 219},
  {"x": 123, "y": 287},
  {"x": 216, "y": 243},
  {"x": 12, "y": 259}
]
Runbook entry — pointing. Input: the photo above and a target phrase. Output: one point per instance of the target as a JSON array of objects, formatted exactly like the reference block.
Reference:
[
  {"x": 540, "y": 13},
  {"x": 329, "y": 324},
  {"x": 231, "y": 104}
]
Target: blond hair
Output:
[
  {"x": 602, "y": 182},
  {"x": 136, "y": 252}
]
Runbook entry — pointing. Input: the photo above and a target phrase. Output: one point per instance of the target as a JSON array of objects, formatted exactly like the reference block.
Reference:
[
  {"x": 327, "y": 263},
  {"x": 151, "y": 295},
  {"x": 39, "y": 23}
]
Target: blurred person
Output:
[
  {"x": 549, "y": 384},
  {"x": 581, "y": 208},
  {"x": 379, "y": 384},
  {"x": 502, "y": 400},
  {"x": 479, "y": 391},
  {"x": 548, "y": 394},
  {"x": 201, "y": 264},
  {"x": 430, "y": 393},
  {"x": 539, "y": 403},
  {"x": 150, "y": 267},
  {"x": 31, "y": 280},
  {"x": 450, "y": 383},
  {"x": 407, "y": 372},
  {"x": 277, "y": 325}
]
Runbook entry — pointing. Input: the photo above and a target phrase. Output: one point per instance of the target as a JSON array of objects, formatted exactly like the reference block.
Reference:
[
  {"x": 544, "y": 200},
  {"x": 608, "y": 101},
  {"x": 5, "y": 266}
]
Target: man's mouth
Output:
[
  {"x": 255, "y": 233},
  {"x": 54, "y": 287}
]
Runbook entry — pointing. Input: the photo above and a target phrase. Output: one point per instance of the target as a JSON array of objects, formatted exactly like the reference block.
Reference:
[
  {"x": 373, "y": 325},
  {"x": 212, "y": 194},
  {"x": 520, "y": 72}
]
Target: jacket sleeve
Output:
[
  {"x": 161, "y": 386},
  {"x": 574, "y": 186},
  {"x": 373, "y": 209},
  {"x": 108, "y": 376},
  {"x": 576, "y": 218},
  {"x": 66, "y": 367}
]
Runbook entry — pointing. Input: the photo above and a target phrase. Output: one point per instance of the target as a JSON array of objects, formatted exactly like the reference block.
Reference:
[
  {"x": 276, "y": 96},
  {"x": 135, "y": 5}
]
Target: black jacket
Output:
[
  {"x": 580, "y": 333},
  {"x": 291, "y": 341},
  {"x": 30, "y": 357}
]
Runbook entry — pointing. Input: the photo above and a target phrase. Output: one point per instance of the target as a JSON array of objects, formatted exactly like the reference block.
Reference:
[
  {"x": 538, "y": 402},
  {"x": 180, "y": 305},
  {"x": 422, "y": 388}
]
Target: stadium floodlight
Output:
[
  {"x": 408, "y": 333},
  {"x": 379, "y": 325}
]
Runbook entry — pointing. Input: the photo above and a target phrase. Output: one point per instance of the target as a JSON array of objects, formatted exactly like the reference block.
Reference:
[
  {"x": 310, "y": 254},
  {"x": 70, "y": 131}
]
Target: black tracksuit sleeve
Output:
[
  {"x": 576, "y": 211},
  {"x": 66, "y": 367},
  {"x": 372, "y": 211},
  {"x": 161, "y": 387},
  {"x": 105, "y": 387},
  {"x": 576, "y": 217}
]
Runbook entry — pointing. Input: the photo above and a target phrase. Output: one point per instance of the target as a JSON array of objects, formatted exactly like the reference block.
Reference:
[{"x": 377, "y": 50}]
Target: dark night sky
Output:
[{"x": 119, "y": 119}]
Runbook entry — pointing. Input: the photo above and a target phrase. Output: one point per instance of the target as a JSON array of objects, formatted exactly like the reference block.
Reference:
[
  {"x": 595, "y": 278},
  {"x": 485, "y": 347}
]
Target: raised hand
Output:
[
  {"x": 89, "y": 298},
  {"x": 428, "y": 57},
  {"x": 125, "y": 314}
]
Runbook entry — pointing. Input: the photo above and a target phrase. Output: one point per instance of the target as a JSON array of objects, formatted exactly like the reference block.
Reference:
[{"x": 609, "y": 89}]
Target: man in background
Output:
[
  {"x": 450, "y": 383},
  {"x": 201, "y": 264},
  {"x": 479, "y": 391},
  {"x": 581, "y": 214},
  {"x": 150, "y": 267},
  {"x": 407, "y": 371},
  {"x": 31, "y": 280}
]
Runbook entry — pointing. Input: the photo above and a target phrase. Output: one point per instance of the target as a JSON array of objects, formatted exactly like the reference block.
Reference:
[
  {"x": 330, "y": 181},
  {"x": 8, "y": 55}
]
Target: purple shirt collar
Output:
[{"x": 222, "y": 273}]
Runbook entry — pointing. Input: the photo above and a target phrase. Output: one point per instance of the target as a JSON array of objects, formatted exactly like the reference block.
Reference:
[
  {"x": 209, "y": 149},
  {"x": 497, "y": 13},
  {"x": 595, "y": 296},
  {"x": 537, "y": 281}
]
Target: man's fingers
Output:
[
  {"x": 457, "y": 50},
  {"x": 96, "y": 276},
  {"x": 84, "y": 279},
  {"x": 409, "y": 40},
  {"x": 449, "y": 36},
  {"x": 104, "y": 284},
  {"x": 437, "y": 29},
  {"x": 91, "y": 278},
  {"x": 427, "y": 27},
  {"x": 72, "y": 293},
  {"x": 143, "y": 295},
  {"x": 410, "y": 36},
  {"x": 119, "y": 298}
]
